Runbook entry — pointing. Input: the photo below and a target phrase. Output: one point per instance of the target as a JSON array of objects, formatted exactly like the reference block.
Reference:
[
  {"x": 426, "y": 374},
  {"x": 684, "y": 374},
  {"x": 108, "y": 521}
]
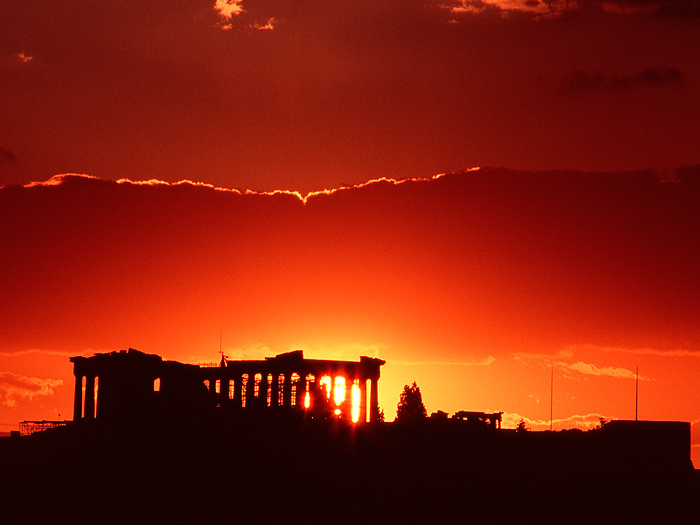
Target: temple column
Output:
[
  {"x": 89, "y": 397},
  {"x": 274, "y": 391},
  {"x": 373, "y": 401},
  {"x": 251, "y": 389},
  {"x": 363, "y": 401},
  {"x": 263, "y": 390},
  {"x": 287, "y": 401},
  {"x": 237, "y": 384},
  {"x": 298, "y": 396},
  {"x": 301, "y": 392},
  {"x": 246, "y": 390},
  {"x": 223, "y": 396},
  {"x": 78, "y": 398},
  {"x": 347, "y": 399}
]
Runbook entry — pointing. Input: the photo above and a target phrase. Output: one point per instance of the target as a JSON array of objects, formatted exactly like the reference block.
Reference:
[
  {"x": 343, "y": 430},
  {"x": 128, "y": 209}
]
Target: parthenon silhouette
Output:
[
  {"x": 128, "y": 385},
  {"x": 161, "y": 440}
]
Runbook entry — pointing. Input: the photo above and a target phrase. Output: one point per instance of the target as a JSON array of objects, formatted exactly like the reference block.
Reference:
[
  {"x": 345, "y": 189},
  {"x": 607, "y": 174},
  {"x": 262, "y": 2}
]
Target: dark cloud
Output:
[
  {"x": 340, "y": 91},
  {"x": 682, "y": 8},
  {"x": 655, "y": 77},
  {"x": 6, "y": 156},
  {"x": 600, "y": 81},
  {"x": 496, "y": 256},
  {"x": 542, "y": 9}
]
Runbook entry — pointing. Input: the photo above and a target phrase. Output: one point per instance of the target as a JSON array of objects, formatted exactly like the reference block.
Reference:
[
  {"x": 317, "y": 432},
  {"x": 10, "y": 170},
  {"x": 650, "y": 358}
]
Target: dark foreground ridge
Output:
[
  {"x": 228, "y": 465},
  {"x": 337, "y": 471}
]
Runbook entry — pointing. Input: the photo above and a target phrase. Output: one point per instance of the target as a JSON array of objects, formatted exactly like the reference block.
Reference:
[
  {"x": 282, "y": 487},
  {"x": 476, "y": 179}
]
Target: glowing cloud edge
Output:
[{"x": 59, "y": 179}]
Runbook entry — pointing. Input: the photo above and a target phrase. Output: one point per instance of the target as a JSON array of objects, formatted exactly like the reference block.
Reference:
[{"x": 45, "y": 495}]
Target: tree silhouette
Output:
[
  {"x": 521, "y": 426},
  {"x": 410, "y": 407}
]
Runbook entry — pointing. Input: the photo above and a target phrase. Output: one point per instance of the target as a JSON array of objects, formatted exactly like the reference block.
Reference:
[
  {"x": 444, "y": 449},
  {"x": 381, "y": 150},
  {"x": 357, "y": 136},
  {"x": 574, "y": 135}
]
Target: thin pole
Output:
[
  {"x": 551, "y": 398},
  {"x": 636, "y": 394},
  {"x": 222, "y": 363}
]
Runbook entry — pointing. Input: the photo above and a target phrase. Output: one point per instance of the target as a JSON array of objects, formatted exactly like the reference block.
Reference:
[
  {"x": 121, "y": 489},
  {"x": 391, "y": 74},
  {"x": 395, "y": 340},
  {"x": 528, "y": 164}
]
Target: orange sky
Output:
[{"x": 472, "y": 284}]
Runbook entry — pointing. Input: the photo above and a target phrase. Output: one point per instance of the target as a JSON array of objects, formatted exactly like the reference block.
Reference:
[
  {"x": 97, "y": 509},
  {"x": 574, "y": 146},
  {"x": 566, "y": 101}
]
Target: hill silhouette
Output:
[{"x": 339, "y": 472}]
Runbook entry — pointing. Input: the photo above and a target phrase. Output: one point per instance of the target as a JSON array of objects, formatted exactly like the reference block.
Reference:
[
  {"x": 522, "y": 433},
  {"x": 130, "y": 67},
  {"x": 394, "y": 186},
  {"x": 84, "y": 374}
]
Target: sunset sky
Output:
[{"x": 578, "y": 251}]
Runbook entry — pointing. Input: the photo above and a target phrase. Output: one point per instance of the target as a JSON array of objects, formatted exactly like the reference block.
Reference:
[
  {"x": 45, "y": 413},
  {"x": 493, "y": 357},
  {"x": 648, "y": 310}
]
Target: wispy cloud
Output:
[
  {"x": 36, "y": 351},
  {"x": 582, "y": 422},
  {"x": 14, "y": 387},
  {"x": 484, "y": 362},
  {"x": 563, "y": 360},
  {"x": 678, "y": 352},
  {"x": 23, "y": 57},
  {"x": 610, "y": 371},
  {"x": 561, "y": 354},
  {"x": 57, "y": 180},
  {"x": 525, "y": 6},
  {"x": 268, "y": 26},
  {"x": 227, "y": 9}
]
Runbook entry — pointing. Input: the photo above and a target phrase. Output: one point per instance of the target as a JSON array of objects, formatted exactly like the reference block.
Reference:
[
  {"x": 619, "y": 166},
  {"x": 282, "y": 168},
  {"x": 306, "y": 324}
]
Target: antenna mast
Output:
[
  {"x": 551, "y": 398},
  {"x": 636, "y": 394},
  {"x": 222, "y": 363}
]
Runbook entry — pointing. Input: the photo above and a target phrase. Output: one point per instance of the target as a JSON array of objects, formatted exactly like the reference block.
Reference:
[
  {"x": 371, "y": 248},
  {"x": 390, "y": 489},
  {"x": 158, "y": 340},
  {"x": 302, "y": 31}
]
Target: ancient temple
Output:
[{"x": 129, "y": 385}]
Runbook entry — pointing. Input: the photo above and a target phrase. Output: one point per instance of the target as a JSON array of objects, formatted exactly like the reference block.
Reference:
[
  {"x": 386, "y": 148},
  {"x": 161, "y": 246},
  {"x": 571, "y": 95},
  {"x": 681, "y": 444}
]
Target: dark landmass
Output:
[{"x": 337, "y": 472}]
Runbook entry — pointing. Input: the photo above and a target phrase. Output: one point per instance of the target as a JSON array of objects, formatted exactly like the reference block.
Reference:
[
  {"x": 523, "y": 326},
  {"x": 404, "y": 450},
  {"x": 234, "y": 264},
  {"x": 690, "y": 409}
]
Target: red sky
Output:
[
  {"x": 473, "y": 284},
  {"x": 342, "y": 92}
]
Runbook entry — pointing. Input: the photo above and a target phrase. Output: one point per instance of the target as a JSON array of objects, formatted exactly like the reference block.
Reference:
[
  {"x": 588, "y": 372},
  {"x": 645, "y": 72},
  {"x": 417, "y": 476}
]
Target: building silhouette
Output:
[
  {"x": 128, "y": 385},
  {"x": 163, "y": 441}
]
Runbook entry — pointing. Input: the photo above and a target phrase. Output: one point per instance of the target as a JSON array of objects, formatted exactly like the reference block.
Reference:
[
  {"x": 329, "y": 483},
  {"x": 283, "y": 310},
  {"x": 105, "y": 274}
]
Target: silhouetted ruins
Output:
[
  {"x": 127, "y": 386},
  {"x": 491, "y": 420},
  {"x": 287, "y": 437}
]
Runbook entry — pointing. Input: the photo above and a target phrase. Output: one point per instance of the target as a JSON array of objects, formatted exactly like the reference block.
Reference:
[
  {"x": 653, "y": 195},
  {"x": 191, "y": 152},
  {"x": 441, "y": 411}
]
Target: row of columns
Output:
[
  {"x": 84, "y": 408},
  {"x": 283, "y": 397}
]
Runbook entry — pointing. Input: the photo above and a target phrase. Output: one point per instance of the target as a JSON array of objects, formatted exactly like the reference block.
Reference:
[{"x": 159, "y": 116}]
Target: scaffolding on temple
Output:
[{"x": 30, "y": 427}]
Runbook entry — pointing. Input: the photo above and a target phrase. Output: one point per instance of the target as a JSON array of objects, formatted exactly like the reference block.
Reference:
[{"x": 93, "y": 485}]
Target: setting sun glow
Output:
[
  {"x": 503, "y": 296},
  {"x": 326, "y": 382},
  {"x": 356, "y": 401},
  {"x": 338, "y": 386},
  {"x": 339, "y": 394}
]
